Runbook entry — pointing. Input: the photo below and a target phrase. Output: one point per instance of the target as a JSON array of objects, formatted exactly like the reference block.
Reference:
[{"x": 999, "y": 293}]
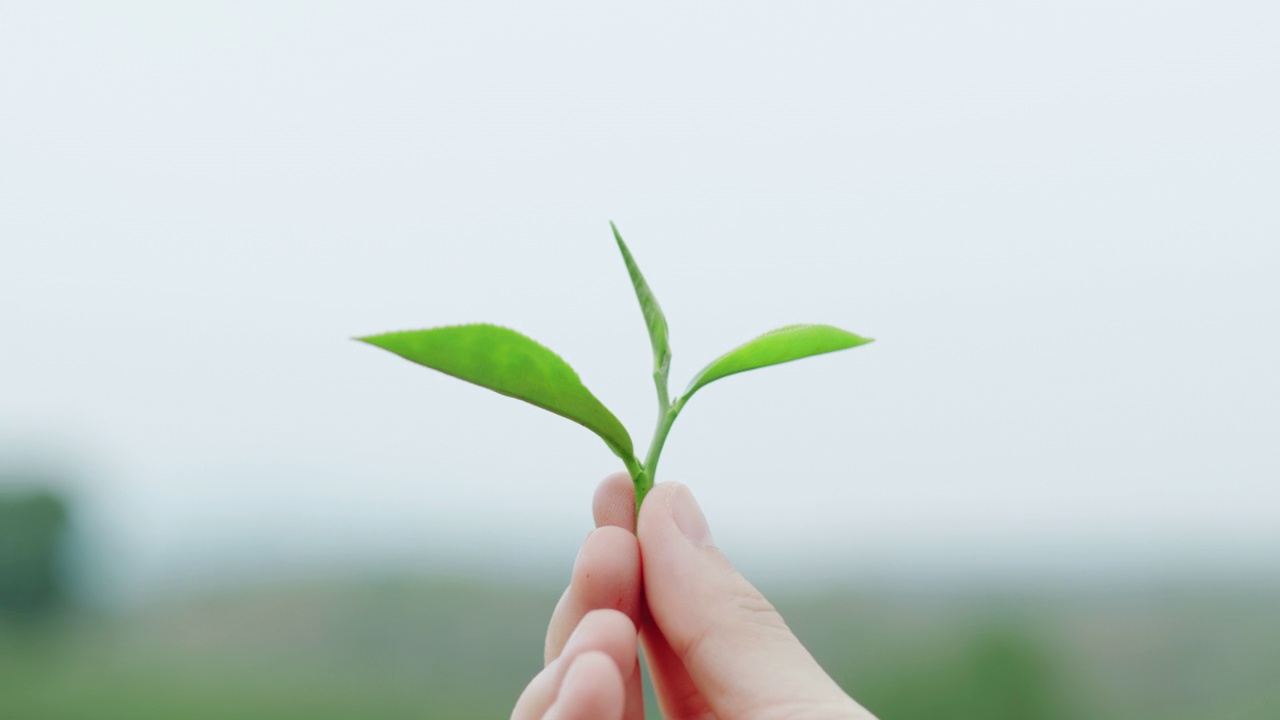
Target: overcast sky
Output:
[{"x": 1059, "y": 220}]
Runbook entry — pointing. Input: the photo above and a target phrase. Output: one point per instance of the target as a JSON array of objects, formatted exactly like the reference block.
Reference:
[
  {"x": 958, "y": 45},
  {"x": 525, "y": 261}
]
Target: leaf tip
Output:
[{"x": 374, "y": 340}]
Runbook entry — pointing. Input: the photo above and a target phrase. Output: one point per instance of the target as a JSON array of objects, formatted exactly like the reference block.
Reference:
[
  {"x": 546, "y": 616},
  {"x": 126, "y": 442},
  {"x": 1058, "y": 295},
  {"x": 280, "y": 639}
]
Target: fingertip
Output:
[
  {"x": 655, "y": 515},
  {"x": 613, "y": 633},
  {"x": 598, "y": 690},
  {"x": 614, "y": 502},
  {"x": 593, "y": 689}
]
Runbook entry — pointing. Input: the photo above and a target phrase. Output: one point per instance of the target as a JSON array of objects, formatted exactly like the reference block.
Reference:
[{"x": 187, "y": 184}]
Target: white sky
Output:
[{"x": 1060, "y": 220}]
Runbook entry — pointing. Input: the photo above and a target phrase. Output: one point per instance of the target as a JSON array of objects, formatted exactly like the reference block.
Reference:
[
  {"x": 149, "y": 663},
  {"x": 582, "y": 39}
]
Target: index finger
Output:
[
  {"x": 605, "y": 575},
  {"x": 607, "y": 571}
]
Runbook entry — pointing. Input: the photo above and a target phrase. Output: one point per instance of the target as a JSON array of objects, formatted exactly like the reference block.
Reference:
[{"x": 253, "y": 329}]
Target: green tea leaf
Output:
[
  {"x": 653, "y": 317},
  {"x": 509, "y": 363},
  {"x": 774, "y": 347}
]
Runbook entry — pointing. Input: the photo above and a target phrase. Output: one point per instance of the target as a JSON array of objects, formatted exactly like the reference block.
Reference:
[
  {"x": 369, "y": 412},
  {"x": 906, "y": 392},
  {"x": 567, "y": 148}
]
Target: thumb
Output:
[{"x": 739, "y": 653}]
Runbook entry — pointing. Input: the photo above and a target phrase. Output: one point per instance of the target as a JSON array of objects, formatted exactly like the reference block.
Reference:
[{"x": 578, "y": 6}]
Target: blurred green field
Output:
[{"x": 463, "y": 649}]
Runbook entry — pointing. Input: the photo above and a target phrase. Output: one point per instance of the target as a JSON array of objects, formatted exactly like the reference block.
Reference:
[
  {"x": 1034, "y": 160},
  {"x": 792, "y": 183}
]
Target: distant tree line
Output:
[{"x": 33, "y": 531}]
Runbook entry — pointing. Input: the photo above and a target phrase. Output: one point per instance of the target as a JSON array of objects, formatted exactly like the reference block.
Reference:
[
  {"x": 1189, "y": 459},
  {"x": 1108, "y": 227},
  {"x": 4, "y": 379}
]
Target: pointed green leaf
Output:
[
  {"x": 653, "y": 317},
  {"x": 507, "y": 362},
  {"x": 776, "y": 346}
]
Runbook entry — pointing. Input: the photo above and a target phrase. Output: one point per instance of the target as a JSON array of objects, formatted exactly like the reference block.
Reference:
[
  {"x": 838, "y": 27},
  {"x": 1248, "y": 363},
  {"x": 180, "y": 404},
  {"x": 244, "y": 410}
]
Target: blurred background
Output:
[{"x": 1049, "y": 490}]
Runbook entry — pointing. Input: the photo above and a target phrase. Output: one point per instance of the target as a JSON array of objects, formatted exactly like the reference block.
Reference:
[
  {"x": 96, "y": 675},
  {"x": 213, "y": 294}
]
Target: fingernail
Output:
[{"x": 688, "y": 516}]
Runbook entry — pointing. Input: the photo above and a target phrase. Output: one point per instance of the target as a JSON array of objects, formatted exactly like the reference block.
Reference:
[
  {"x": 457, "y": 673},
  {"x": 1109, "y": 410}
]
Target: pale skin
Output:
[{"x": 716, "y": 648}]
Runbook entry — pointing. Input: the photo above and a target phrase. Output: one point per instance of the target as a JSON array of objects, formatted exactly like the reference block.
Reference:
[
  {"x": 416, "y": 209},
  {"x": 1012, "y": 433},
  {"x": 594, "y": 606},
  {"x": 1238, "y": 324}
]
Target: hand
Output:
[{"x": 715, "y": 647}]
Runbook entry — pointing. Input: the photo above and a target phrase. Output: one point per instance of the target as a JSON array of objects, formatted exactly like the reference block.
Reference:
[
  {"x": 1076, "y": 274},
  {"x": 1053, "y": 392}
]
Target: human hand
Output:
[{"x": 715, "y": 647}]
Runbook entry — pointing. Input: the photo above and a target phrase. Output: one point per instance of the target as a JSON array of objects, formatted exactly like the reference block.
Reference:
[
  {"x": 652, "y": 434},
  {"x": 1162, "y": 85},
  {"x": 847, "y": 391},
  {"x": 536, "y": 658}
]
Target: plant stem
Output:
[
  {"x": 634, "y": 469},
  {"x": 660, "y": 380},
  {"x": 667, "y": 416}
]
